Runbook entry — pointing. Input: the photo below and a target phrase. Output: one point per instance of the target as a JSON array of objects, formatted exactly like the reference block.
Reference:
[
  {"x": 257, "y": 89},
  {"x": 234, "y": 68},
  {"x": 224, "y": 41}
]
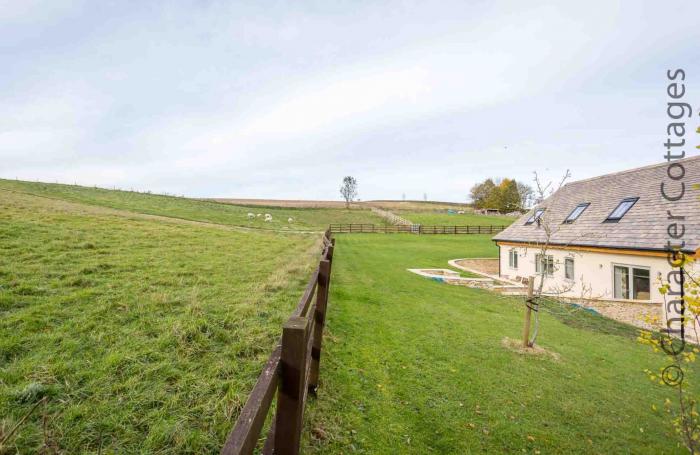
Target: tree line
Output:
[{"x": 505, "y": 195}]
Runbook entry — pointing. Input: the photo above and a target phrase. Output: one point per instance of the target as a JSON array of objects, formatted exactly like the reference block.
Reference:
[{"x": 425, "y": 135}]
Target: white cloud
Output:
[{"x": 248, "y": 100}]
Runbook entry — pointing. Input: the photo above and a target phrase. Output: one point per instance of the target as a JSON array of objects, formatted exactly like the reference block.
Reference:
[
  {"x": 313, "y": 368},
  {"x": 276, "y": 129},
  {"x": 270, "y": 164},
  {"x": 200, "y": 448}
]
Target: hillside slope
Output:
[
  {"x": 145, "y": 334},
  {"x": 303, "y": 219}
]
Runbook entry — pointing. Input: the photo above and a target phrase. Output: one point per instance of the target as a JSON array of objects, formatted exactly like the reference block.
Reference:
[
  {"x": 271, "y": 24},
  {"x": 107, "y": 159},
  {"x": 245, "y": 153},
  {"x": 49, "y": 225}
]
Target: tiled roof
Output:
[{"x": 643, "y": 227}]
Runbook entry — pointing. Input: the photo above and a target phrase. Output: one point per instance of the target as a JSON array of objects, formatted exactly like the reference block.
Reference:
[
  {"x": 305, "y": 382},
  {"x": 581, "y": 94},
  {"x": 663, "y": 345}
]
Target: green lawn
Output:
[
  {"x": 192, "y": 209},
  {"x": 415, "y": 366},
  {"x": 443, "y": 218},
  {"x": 147, "y": 335}
]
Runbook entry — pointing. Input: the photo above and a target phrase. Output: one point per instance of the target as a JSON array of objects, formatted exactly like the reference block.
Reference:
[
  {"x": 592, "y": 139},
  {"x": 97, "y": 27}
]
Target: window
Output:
[
  {"x": 535, "y": 217},
  {"x": 576, "y": 212},
  {"x": 513, "y": 259},
  {"x": 631, "y": 283},
  {"x": 621, "y": 209},
  {"x": 544, "y": 263},
  {"x": 569, "y": 268}
]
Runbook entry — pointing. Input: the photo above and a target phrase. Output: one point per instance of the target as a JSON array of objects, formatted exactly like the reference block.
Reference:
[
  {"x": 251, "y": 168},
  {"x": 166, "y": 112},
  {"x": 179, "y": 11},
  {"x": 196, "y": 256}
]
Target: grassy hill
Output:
[
  {"x": 316, "y": 219},
  {"x": 146, "y": 333}
]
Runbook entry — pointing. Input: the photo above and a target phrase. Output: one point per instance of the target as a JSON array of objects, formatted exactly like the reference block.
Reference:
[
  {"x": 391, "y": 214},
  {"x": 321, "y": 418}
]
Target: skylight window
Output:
[
  {"x": 576, "y": 212},
  {"x": 621, "y": 209},
  {"x": 535, "y": 217}
]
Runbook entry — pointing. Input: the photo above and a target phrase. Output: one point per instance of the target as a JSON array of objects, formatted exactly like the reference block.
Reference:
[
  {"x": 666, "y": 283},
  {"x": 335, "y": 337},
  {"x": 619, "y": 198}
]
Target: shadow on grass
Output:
[{"x": 581, "y": 318}]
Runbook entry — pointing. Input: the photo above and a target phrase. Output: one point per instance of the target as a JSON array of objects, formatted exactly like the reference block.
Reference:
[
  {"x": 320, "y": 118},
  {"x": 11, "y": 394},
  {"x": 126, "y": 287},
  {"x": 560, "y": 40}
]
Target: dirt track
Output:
[{"x": 77, "y": 207}]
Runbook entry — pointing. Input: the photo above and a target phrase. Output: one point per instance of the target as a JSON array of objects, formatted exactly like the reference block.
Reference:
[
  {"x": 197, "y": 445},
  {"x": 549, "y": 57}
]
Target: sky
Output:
[{"x": 282, "y": 99}]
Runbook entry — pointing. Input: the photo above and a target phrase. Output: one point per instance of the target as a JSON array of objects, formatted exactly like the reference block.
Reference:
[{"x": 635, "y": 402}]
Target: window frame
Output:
[
  {"x": 535, "y": 216},
  {"x": 611, "y": 219},
  {"x": 568, "y": 260},
  {"x": 569, "y": 220},
  {"x": 549, "y": 266},
  {"x": 513, "y": 259},
  {"x": 631, "y": 291}
]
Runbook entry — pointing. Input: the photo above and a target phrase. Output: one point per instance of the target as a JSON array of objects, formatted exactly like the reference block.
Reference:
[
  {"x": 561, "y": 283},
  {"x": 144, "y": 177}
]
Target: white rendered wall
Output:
[{"x": 593, "y": 272}]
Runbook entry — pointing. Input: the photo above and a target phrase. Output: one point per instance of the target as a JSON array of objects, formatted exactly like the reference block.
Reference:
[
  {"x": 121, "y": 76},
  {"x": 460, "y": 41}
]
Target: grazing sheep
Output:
[
  {"x": 251, "y": 215},
  {"x": 259, "y": 215},
  {"x": 290, "y": 220},
  {"x": 268, "y": 217}
]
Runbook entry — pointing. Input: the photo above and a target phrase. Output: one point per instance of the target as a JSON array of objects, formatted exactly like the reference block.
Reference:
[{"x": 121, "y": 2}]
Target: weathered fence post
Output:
[
  {"x": 290, "y": 396},
  {"x": 329, "y": 255},
  {"x": 528, "y": 311},
  {"x": 324, "y": 273}
]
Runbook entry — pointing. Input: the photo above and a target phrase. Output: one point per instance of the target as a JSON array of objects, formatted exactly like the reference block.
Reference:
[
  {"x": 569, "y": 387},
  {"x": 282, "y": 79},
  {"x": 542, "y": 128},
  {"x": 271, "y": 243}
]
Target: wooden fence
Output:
[
  {"x": 391, "y": 217},
  {"x": 413, "y": 229},
  {"x": 291, "y": 371}
]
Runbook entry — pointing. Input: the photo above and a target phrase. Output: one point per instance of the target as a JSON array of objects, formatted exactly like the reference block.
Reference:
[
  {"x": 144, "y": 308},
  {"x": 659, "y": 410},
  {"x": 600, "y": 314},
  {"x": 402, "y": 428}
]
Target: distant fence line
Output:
[
  {"x": 291, "y": 372},
  {"x": 413, "y": 229},
  {"x": 391, "y": 217}
]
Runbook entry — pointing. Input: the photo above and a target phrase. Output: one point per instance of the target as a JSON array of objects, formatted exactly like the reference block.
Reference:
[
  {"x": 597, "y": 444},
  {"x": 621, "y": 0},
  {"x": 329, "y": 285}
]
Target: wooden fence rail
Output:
[
  {"x": 391, "y": 217},
  {"x": 413, "y": 229},
  {"x": 291, "y": 372}
]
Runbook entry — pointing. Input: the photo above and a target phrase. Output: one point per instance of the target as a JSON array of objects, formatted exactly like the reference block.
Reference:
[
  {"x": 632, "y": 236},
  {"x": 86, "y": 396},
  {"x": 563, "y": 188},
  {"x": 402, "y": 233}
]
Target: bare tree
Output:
[
  {"x": 545, "y": 222},
  {"x": 348, "y": 190}
]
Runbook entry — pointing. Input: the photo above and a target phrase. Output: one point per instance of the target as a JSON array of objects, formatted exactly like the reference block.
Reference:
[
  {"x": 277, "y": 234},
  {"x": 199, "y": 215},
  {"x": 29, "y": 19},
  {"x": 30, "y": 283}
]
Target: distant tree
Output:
[
  {"x": 508, "y": 196},
  {"x": 481, "y": 192},
  {"x": 348, "y": 190},
  {"x": 526, "y": 195}
]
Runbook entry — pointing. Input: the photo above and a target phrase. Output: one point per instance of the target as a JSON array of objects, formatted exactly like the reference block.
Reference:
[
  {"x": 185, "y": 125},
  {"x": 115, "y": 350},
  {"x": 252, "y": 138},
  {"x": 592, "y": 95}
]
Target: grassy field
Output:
[
  {"x": 191, "y": 209},
  {"x": 415, "y": 205},
  {"x": 414, "y": 366},
  {"x": 146, "y": 335},
  {"x": 443, "y": 218}
]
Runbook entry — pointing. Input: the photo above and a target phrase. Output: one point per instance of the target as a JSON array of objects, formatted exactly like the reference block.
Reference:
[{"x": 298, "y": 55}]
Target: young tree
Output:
[
  {"x": 682, "y": 409},
  {"x": 545, "y": 267},
  {"x": 681, "y": 295},
  {"x": 348, "y": 190}
]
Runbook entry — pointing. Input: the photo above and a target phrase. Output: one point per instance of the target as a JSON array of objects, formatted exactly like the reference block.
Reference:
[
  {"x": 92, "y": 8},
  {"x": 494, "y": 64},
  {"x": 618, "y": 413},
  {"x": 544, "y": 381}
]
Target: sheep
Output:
[
  {"x": 251, "y": 215},
  {"x": 290, "y": 220},
  {"x": 268, "y": 217},
  {"x": 259, "y": 215}
]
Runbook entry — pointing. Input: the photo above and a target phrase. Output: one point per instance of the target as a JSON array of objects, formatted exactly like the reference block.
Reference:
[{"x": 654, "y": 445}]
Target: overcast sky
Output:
[{"x": 282, "y": 99}]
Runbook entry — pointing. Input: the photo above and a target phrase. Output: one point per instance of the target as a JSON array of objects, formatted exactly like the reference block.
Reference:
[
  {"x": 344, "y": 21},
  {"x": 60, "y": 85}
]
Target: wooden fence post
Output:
[
  {"x": 324, "y": 273},
  {"x": 292, "y": 389},
  {"x": 528, "y": 311},
  {"x": 329, "y": 253}
]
